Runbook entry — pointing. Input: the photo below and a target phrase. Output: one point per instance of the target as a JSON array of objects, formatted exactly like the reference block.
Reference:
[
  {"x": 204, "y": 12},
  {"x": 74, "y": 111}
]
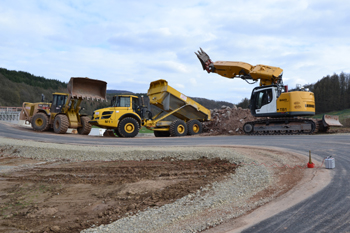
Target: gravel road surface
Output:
[{"x": 326, "y": 211}]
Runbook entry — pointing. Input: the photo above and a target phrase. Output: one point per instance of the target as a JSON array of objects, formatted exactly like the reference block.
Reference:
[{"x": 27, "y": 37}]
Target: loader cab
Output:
[
  {"x": 58, "y": 102},
  {"x": 263, "y": 101}
]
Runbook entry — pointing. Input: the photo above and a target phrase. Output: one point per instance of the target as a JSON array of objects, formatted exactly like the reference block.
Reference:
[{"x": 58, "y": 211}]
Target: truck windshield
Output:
[{"x": 123, "y": 102}]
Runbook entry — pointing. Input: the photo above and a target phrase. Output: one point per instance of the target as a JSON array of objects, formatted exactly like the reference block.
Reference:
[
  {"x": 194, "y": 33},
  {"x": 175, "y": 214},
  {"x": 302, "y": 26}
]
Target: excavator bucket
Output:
[
  {"x": 204, "y": 58},
  {"x": 86, "y": 88},
  {"x": 331, "y": 121}
]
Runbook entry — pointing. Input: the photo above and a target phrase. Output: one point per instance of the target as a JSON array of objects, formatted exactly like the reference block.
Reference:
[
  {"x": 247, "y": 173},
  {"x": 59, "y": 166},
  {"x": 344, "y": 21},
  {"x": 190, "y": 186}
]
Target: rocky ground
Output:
[
  {"x": 48, "y": 187},
  {"x": 227, "y": 121}
]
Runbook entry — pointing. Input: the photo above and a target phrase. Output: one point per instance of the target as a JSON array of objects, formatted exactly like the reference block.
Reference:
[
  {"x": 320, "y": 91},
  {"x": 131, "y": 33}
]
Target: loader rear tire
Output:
[
  {"x": 60, "y": 124},
  {"x": 40, "y": 122},
  {"x": 85, "y": 126},
  {"x": 128, "y": 127},
  {"x": 178, "y": 128},
  {"x": 194, "y": 127}
]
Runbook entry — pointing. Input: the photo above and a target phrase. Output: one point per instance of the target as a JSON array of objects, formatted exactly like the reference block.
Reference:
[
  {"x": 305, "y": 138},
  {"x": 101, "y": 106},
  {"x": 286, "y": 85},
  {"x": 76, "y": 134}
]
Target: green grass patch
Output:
[
  {"x": 343, "y": 114},
  {"x": 145, "y": 130}
]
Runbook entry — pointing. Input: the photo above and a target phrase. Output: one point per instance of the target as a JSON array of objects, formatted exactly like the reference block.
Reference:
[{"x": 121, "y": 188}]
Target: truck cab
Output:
[{"x": 123, "y": 116}]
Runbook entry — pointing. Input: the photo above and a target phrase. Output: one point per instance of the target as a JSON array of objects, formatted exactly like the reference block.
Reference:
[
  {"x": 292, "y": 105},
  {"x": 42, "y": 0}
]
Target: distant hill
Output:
[{"x": 18, "y": 87}]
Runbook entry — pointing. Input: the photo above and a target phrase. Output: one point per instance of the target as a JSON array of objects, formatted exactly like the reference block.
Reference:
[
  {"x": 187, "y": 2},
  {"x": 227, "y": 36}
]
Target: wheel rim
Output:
[
  {"x": 195, "y": 128},
  {"x": 129, "y": 128},
  {"x": 39, "y": 122},
  {"x": 181, "y": 129}
]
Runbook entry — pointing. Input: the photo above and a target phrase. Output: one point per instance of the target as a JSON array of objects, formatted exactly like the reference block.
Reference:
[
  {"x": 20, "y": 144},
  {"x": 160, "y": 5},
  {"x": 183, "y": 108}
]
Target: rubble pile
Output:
[{"x": 227, "y": 121}]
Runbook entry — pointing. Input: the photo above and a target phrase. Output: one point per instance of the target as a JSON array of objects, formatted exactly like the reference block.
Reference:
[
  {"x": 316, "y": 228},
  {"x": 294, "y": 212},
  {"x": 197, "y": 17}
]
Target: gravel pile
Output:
[{"x": 209, "y": 207}]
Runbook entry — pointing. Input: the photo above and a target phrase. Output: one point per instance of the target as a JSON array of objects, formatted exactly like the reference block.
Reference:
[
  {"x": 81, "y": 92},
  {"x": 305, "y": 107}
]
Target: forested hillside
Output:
[
  {"x": 18, "y": 87},
  {"x": 332, "y": 93}
]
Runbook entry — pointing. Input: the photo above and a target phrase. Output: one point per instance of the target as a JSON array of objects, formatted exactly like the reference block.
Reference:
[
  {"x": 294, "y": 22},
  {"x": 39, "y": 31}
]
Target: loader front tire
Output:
[
  {"x": 85, "y": 126},
  {"x": 128, "y": 127},
  {"x": 40, "y": 122},
  {"x": 178, "y": 128},
  {"x": 194, "y": 127},
  {"x": 60, "y": 124}
]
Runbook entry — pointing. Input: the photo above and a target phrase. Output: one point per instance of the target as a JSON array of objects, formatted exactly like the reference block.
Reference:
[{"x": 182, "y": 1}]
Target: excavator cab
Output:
[{"x": 263, "y": 101}]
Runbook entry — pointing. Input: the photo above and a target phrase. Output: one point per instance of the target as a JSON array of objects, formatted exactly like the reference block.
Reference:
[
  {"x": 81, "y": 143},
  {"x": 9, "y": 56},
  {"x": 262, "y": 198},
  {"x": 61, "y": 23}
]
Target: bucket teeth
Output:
[{"x": 204, "y": 58}]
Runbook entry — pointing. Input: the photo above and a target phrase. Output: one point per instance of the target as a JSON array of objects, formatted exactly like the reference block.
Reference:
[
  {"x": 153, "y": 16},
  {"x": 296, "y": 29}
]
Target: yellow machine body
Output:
[
  {"x": 284, "y": 111},
  {"x": 63, "y": 111},
  {"x": 296, "y": 103},
  {"x": 127, "y": 109}
]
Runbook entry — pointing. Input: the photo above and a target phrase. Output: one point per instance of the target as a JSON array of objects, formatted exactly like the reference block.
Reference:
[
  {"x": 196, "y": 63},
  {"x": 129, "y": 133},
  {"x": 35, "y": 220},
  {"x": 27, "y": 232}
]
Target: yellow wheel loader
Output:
[
  {"x": 63, "y": 111},
  {"x": 282, "y": 111},
  {"x": 128, "y": 113}
]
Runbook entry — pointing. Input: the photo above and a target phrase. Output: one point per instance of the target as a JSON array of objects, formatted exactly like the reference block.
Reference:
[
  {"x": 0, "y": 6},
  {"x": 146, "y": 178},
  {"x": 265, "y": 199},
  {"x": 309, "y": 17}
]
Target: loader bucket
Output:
[
  {"x": 331, "y": 121},
  {"x": 86, "y": 88}
]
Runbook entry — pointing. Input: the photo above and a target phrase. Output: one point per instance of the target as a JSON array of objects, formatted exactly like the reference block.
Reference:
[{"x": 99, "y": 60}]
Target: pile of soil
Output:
[{"x": 227, "y": 121}]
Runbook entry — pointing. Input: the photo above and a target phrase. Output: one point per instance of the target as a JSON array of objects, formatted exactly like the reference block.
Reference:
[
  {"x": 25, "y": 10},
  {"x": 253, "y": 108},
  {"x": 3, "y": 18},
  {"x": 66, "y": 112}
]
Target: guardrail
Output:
[{"x": 10, "y": 114}]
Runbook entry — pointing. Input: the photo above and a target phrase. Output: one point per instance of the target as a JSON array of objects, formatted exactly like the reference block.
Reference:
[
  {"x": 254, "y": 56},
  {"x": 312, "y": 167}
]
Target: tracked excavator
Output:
[{"x": 279, "y": 111}]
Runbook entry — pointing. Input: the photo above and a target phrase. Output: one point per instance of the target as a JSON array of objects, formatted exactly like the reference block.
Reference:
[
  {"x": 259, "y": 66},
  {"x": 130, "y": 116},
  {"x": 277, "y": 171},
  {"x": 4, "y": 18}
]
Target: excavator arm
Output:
[{"x": 267, "y": 75}]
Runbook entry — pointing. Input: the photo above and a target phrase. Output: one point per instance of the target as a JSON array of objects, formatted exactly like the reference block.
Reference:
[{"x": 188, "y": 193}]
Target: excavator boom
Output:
[{"x": 267, "y": 75}]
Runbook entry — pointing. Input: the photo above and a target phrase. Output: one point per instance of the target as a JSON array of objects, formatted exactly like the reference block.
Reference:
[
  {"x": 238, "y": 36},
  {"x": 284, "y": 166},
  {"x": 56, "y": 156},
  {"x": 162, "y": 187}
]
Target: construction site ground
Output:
[{"x": 63, "y": 195}]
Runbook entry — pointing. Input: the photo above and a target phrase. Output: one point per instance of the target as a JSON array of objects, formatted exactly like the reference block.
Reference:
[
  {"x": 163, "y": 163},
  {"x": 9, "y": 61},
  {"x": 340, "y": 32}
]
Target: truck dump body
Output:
[{"x": 168, "y": 99}]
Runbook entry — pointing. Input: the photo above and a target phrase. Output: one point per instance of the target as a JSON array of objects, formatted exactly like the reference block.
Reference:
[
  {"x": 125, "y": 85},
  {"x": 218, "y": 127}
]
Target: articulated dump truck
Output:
[
  {"x": 63, "y": 111},
  {"x": 128, "y": 113}
]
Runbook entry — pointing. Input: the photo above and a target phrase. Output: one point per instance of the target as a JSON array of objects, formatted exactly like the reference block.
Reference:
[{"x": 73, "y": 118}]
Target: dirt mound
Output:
[{"x": 227, "y": 121}]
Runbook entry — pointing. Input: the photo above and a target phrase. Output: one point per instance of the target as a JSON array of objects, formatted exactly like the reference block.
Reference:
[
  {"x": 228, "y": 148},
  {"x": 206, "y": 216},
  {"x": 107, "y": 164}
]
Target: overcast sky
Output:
[{"x": 131, "y": 43}]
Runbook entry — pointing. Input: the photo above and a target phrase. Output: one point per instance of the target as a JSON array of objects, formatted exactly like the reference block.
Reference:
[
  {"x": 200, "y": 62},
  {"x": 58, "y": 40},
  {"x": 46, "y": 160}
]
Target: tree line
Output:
[{"x": 332, "y": 93}]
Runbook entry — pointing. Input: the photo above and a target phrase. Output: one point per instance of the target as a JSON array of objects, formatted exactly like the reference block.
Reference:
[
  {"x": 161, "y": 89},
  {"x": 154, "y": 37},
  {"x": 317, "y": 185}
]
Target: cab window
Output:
[
  {"x": 262, "y": 98},
  {"x": 123, "y": 102}
]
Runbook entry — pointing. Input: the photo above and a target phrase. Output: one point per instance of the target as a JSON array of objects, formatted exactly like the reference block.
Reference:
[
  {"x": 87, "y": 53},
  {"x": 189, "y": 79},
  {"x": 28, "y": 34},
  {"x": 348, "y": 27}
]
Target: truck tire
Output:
[
  {"x": 161, "y": 133},
  {"x": 60, "y": 124},
  {"x": 194, "y": 127},
  {"x": 178, "y": 128},
  {"x": 40, "y": 122},
  {"x": 116, "y": 131},
  {"x": 85, "y": 126},
  {"x": 128, "y": 127}
]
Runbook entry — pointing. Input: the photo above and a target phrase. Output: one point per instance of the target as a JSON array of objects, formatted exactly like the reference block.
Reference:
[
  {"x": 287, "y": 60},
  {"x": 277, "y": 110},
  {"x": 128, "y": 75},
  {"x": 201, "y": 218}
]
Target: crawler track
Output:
[{"x": 281, "y": 126}]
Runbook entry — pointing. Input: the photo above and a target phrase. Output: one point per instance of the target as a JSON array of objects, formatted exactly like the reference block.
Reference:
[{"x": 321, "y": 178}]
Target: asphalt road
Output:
[{"x": 326, "y": 211}]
